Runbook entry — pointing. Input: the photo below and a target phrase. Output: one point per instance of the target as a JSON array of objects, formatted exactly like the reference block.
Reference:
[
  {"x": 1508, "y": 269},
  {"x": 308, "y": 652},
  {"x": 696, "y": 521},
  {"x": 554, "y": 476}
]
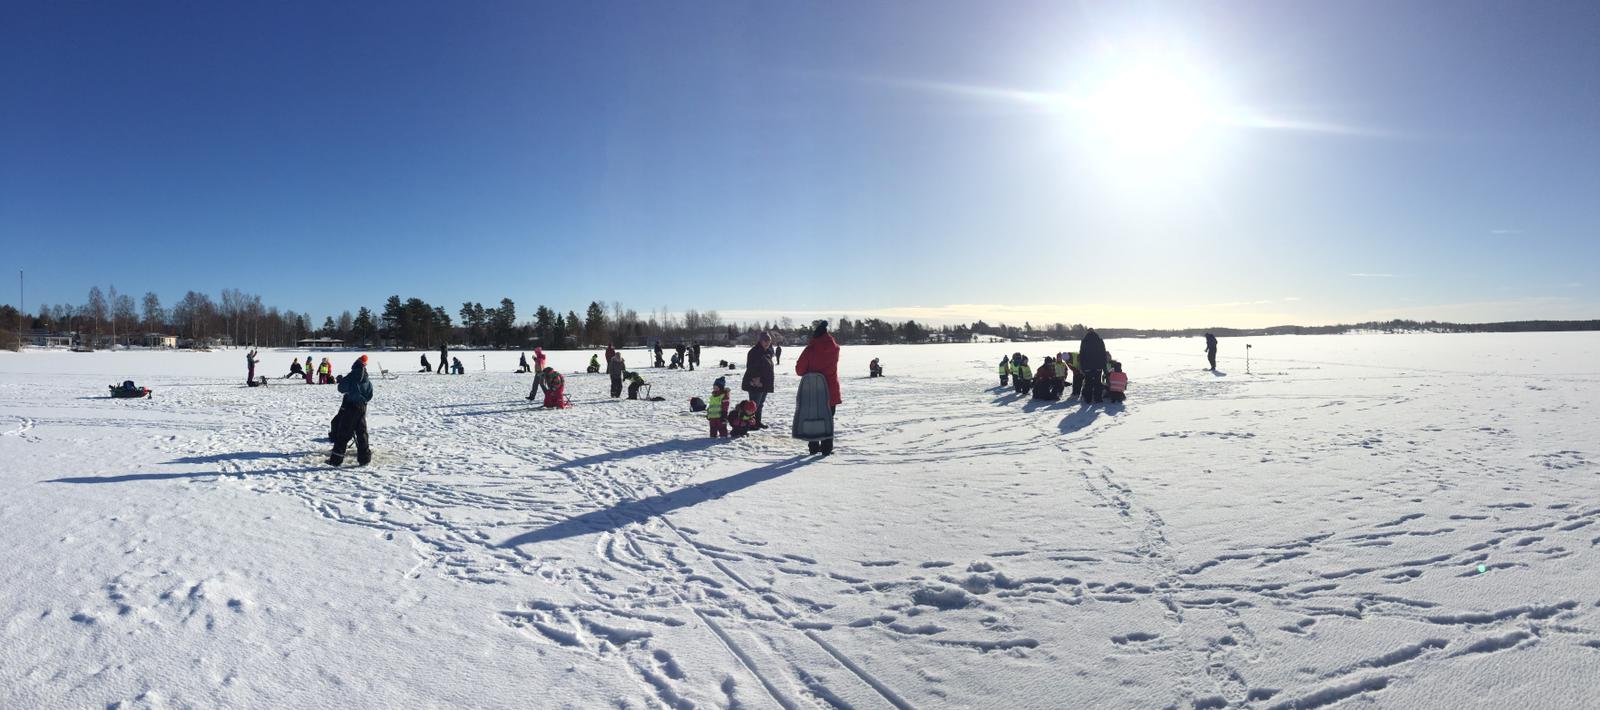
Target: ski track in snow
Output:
[{"x": 602, "y": 514}]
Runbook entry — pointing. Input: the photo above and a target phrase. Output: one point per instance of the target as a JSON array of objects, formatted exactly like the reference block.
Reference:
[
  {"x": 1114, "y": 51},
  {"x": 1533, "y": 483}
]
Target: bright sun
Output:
[{"x": 1150, "y": 110}]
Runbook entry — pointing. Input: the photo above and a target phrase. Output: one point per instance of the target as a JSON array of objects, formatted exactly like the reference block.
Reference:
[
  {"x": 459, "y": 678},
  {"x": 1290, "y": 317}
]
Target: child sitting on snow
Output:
[
  {"x": 743, "y": 420},
  {"x": 456, "y": 368},
  {"x": 717, "y": 408},
  {"x": 1116, "y": 383},
  {"x": 594, "y": 364},
  {"x": 874, "y": 369}
]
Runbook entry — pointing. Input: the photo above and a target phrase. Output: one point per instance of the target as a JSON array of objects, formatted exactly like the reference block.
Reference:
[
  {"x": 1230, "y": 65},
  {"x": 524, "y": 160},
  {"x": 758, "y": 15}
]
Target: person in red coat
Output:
[{"x": 822, "y": 356}]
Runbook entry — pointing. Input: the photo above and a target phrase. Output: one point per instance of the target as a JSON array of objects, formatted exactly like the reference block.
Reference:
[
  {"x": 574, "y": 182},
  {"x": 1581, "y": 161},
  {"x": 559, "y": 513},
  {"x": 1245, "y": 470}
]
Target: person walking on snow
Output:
[
  {"x": 1211, "y": 350},
  {"x": 821, "y": 355},
  {"x": 1092, "y": 363},
  {"x": 758, "y": 375},
  {"x": 444, "y": 359},
  {"x": 352, "y": 418}
]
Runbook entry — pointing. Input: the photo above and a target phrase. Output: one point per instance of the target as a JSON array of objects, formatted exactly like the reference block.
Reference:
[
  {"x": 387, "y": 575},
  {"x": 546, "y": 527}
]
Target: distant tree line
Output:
[{"x": 240, "y": 318}]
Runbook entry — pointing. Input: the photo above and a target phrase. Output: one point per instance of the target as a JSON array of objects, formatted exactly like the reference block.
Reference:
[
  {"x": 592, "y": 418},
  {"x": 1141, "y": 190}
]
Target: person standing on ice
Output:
[
  {"x": 821, "y": 356},
  {"x": 310, "y": 369},
  {"x": 444, "y": 359},
  {"x": 1092, "y": 363},
  {"x": 615, "y": 366},
  {"x": 1005, "y": 370},
  {"x": 250, "y": 362},
  {"x": 661, "y": 356},
  {"x": 1211, "y": 350},
  {"x": 352, "y": 418},
  {"x": 538, "y": 359},
  {"x": 294, "y": 369},
  {"x": 717, "y": 408},
  {"x": 694, "y": 355},
  {"x": 777, "y": 355},
  {"x": 758, "y": 375}
]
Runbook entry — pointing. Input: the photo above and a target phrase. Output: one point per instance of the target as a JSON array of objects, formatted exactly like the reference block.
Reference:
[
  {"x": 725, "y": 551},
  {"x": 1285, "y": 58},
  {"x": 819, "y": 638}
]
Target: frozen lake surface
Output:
[{"x": 1363, "y": 520}]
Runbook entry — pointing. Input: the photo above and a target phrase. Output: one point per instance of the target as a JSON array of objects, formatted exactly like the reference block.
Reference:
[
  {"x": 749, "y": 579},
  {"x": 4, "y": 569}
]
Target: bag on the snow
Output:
[
  {"x": 813, "y": 417},
  {"x": 696, "y": 404}
]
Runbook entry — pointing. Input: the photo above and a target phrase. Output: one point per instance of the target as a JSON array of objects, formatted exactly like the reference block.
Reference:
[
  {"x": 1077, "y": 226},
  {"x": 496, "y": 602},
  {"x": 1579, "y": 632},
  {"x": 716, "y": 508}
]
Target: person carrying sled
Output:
[
  {"x": 555, "y": 388},
  {"x": 522, "y": 364},
  {"x": 635, "y": 383},
  {"x": 1211, "y": 351},
  {"x": 1005, "y": 370},
  {"x": 294, "y": 369},
  {"x": 615, "y": 366},
  {"x": 426, "y": 366},
  {"x": 1092, "y": 363},
  {"x": 758, "y": 375},
  {"x": 717, "y": 408},
  {"x": 743, "y": 420},
  {"x": 594, "y": 364},
  {"x": 821, "y": 355},
  {"x": 351, "y": 422}
]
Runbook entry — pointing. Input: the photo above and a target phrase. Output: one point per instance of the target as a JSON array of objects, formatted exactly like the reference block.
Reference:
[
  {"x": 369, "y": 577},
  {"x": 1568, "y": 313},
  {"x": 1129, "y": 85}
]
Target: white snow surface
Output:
[{"x": 1307, "y": 535}]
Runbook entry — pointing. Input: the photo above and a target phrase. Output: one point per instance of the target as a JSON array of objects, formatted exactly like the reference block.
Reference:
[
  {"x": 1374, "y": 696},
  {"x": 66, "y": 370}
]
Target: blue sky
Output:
[{"x": 1131, "y": 164}]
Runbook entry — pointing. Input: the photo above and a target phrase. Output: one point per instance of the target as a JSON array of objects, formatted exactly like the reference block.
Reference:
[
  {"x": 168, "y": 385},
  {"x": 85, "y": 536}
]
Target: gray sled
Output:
[{"x": 813, "y": 418}]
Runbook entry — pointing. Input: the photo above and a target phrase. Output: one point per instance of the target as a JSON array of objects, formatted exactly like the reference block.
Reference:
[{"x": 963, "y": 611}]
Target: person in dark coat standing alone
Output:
[
  {"x": 352, "y": 418},
  {"x": 758, "y": 375},
  {"x": 614, "y": 368},
  {"x": 822, "y": 356},
  {"x": 1092, "y": 365},
  {"x": 1211, "y": 350},
  {"x": 444, "y": 359}
]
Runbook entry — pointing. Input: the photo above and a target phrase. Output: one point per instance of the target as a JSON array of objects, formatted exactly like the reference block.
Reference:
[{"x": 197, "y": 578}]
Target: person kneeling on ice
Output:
[
  {"x": 635, "y": 382},
  {"x": 743, "y": 420},
  {"x": 717, "y": 408},
  {"x": 1116, "y": 383},
  {"x": 594, "y": 364},
  {"x": 456, "y": 368},
  {"x": 352, "y": 418},
  {"x": 555, "y": 387},
  {"x": 1005, "y": 370},
  {"x": 1043, "y": 381},
  {"x": 1022, "y": 375},
  {"x": 874, "y": 369},
  {"x": 426, "y": 366},
  {"x": 294, "y": 370}
]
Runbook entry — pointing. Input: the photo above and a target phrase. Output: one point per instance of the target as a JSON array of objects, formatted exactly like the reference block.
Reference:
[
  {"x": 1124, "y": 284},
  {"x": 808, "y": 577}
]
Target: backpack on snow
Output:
[{"x": 696, "y": 404}]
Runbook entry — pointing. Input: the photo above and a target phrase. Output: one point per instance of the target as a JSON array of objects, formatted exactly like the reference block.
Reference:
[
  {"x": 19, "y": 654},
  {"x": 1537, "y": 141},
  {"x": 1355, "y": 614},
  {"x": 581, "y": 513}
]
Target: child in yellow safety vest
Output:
[
  {"x": 717, "y": 408},
  {"x": 1022, "y": 374},
  {"x": 1005, "y": 370},
  {"x": 324, "y": 372}
]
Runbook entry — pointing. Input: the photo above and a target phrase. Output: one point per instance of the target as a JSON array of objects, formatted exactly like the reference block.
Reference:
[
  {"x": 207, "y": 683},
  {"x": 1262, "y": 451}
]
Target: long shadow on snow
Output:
[
  {"x": 1086, "y": 415},
  {"x": 192, "y": 474},
  {"x": 529, "y": 405},
  {"x": 242, "y": 456},
  {"x": 638, "y": 511},
  {"x": 659, "y": 447}
]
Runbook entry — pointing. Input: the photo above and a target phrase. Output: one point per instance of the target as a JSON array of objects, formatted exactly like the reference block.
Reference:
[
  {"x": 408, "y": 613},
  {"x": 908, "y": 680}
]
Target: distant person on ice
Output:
[
  {"x": 250, "y": 362},
  {"x": 777, "y": 354},
  {"x": 821, "y": 355},
  {"x": 456, "y": 368},
  {"x": 635, "y": 383},
  {"x": 594, "y": 364},
  {"x": 1116, "y": 383},
  {"x": 352, "y": 418},
  {"x": 426, "y": 366},
  {"x": 324, "y": 372},
  {"x": 1211, "y": 350},
  {"x": 555, "y": 387},
  {"x": 1043, "y": 379},
  {"x": 1092, "y": 363},
  {"x": 615, "y": 366},
  {"x": 717, "y": 408},
  {"x": 1021, "y": 373},
  {"x": 1005, "y": 370},
  {"x": 311, "y": 370},
  {"x": 444, "y": 359},
  {"x": 661, "y": 356},
  {"x": 874, "y": 369},
  {"x": 294, "y": 369},
  {"x": 522, "y": 364},
  {"x": 758, "y": 374},
  {"x": 694, "y": 356}
]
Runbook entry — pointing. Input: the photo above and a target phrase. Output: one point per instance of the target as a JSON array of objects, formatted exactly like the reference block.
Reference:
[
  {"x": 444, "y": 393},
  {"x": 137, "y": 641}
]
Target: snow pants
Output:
[
  {"x": 1211, "y": 356},
  {"x": 351, "y": 421},
  {"x": 616, "y": 385},
  {"x": 1005, "y": 380},
  {"x": 555, "y": 398},
  {"x": 1077, "y": 383},
  {"x": 1093, "y": 388},
  {"x": 760, "y": 398},
  {"x": 633, "y": 390},
  {"x": 719, "y": 428}
]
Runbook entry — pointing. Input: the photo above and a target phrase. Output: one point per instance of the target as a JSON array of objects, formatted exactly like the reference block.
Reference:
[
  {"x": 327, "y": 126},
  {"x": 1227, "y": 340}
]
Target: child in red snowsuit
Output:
[
  {"x": 555, "y": 387},
  {"x": 743, "y": 420}
]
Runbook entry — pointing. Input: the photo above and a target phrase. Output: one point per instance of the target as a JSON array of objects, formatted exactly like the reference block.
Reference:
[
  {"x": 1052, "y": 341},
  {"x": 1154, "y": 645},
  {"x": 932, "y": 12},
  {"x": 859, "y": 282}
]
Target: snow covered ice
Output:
[{"x": 1365, "y": 520}]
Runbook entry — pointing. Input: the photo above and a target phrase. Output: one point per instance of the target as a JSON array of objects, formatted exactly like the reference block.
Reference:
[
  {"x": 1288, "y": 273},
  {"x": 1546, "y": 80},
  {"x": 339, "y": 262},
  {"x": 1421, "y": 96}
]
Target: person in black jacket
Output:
[
  {"x": 1211, "y": 350},
  {"x": 758, "y": 377},
  {"x": 444, "y": 359},
  {"x": 1092, "y": 364}
]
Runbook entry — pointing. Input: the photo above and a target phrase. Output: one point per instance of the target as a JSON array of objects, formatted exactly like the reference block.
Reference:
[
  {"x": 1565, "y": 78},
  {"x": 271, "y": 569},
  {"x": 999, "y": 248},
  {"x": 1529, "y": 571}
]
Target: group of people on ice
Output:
[
  {"x": 452, "y": 366},
  {"x": 321, "y": 373},
  {"x": 1093, "y": 374}
]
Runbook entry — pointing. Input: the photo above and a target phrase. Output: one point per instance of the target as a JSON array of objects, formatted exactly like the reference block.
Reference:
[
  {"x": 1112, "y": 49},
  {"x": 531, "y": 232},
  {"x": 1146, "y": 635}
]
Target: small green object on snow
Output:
[{"x": 1482, "y": 569}]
